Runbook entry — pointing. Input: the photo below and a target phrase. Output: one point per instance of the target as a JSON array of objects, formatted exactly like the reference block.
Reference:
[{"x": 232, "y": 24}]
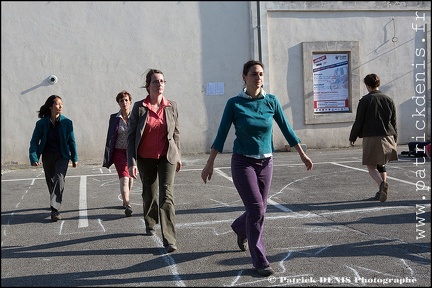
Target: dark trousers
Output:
[
  {"x": 157, "y": 175},
  {"x": 252, "y": 179},
  {"x": 55, "y": 168}
]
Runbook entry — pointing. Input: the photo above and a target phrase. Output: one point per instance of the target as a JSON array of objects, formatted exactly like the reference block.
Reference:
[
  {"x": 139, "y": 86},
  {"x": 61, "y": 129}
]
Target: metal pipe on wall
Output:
[{"x": 259, "y": 31}]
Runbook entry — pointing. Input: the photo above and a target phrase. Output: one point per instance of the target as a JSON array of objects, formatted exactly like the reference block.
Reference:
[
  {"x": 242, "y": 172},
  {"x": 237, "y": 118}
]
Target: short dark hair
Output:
[
  {"x": 122, "y": 94},
  {"x": 249, "y": 64},
  {"x": 372, "y": 80}
]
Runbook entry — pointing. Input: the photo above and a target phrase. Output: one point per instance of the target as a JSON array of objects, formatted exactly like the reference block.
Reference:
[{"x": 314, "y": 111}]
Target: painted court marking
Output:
[
  {"x": 171, "y": 265},
  {"x": 83, "y": 217},
  {"x": 389, "y": 177}
]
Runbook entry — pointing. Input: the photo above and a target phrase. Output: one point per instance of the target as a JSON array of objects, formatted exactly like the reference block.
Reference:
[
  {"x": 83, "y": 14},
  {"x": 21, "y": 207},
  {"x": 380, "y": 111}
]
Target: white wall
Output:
[
  {"x": 97, "y": 49},
  {"x": 287, "y": 24}
]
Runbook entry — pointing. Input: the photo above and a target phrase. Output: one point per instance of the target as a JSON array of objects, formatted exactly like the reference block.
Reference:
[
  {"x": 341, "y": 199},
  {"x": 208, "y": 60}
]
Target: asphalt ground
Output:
[{"x": 321, "y": 227}]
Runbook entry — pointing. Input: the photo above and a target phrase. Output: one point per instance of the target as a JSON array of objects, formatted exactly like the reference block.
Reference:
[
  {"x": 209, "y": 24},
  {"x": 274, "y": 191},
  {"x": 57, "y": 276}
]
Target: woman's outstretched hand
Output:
[
  {"x": 207, "y": 172},
  {"x": 307, "y": 161}
]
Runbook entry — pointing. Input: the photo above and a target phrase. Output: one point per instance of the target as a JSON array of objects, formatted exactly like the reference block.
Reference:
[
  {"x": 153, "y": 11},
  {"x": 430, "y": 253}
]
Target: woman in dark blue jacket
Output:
[
  {"x": 54, "y": 139},
  {"x": 116, "y": 146}
]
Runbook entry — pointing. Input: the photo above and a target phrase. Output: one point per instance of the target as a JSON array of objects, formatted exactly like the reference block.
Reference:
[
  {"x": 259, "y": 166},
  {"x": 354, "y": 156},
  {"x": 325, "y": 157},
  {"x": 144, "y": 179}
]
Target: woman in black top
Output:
[{"x": 376, "y": 123}]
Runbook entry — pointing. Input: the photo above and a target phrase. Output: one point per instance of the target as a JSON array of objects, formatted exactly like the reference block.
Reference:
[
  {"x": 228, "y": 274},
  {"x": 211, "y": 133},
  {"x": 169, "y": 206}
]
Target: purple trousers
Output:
[{"x": 252, "y": 179}]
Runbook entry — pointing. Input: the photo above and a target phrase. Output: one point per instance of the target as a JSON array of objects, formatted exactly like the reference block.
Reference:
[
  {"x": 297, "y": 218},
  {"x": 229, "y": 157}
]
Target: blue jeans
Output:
[
  {"x": 252, "y": 179},
  {"x": 157, "y": 175}
]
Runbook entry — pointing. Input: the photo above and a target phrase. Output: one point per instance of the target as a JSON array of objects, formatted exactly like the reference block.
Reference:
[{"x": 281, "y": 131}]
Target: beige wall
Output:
[
  {"x": 288, "y": 24},
  {"x": 97, "y": 49}
]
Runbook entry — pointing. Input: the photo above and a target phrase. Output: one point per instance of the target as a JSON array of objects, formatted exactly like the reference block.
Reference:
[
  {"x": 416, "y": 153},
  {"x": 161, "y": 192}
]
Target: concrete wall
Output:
[
  {"x": 97, "y": 49},
  {"x": 388, "y": 46}
]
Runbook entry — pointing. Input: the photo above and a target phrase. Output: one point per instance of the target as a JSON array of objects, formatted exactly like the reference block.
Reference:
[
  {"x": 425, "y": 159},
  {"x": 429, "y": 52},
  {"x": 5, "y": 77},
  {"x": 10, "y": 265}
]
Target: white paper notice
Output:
[{"x": 215, "y": 88}]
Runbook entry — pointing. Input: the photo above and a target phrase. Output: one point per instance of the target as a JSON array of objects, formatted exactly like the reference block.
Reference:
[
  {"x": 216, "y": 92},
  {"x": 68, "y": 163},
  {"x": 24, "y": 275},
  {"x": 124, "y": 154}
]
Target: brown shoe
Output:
[
  {"x": 383, "y": 191},
  {"x": 241, "y": 242},
  {"x": 171, "y": 248},
  {"x": 128, "y": 211},
  {"x": 55, "y": 216},
  {"x": 267, "y": 271}
]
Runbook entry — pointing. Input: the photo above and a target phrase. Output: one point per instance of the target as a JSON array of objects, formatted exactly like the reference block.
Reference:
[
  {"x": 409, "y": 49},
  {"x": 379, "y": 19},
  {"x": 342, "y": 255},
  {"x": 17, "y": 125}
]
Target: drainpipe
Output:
[{"x": 259, "y": 31}]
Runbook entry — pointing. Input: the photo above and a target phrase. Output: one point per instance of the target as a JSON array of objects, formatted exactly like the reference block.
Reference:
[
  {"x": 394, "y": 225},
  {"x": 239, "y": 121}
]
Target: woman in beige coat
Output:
[{"x": 153, "y": 150}]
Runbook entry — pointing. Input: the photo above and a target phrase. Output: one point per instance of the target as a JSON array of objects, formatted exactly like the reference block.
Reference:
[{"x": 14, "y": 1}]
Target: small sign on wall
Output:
[{"x": 215, "y": 88}]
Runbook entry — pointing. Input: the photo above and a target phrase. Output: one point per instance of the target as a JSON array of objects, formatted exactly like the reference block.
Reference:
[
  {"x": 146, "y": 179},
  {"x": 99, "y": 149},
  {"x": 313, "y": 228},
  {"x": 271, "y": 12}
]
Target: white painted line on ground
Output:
[
  {"x": 217, "y": 170},
  {"x": 172, "y": 266},
  {"x": 82, "y": 218},
  {"x": 364, "y": 170},
  {"x": 296, "y": 215},
  {"x": 61, "y": 227},
  {"x": 366, "y": 210}
]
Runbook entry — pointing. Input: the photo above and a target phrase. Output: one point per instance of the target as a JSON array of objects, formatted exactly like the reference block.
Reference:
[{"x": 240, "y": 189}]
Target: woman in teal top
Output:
[
  {"x": 252, "y": 112},
  {"x": 53, "y": 138}
]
